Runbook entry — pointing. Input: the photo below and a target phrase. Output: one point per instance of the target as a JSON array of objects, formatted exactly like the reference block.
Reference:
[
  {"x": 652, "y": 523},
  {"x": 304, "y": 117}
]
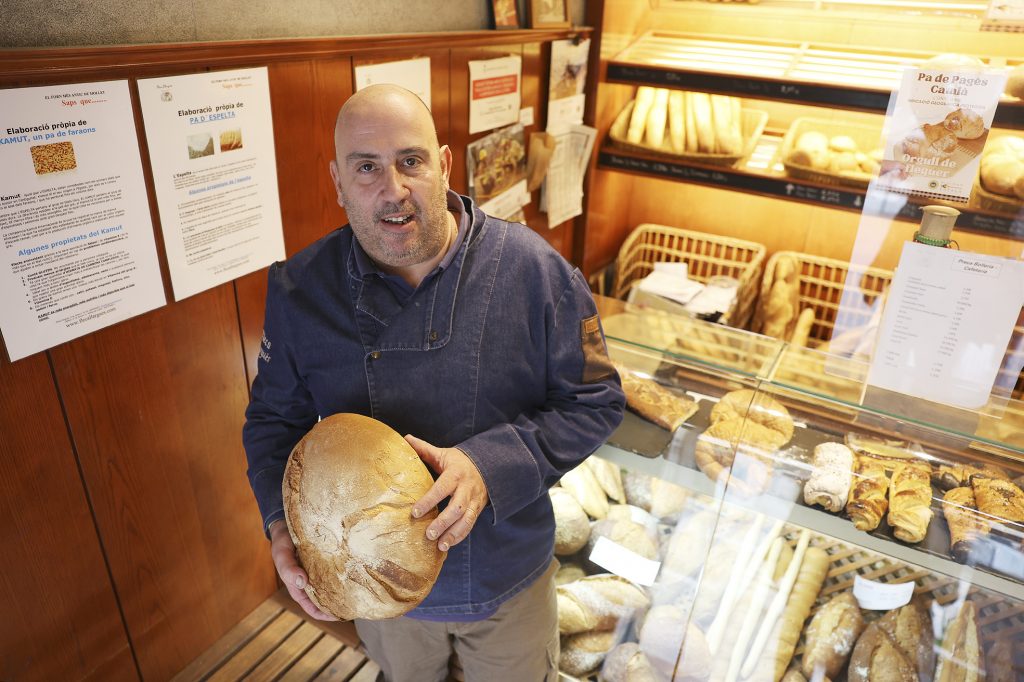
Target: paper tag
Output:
[
  {"x": 526, "y": 116},
  {"x": 876, "y": 596},
  {"x": 624, "y": 562}
]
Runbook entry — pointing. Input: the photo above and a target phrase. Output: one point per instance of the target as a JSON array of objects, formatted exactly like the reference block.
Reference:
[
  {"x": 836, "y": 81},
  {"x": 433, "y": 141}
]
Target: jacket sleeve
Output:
[
  {"x": 281, "y": 410},
  {"x": 583, "y": 406}
]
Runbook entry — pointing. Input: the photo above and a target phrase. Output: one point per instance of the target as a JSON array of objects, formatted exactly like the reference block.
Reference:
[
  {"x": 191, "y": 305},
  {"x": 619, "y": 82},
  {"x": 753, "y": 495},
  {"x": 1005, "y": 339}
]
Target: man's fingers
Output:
[
  {"x": 307, "y": 605},
  {"x": 442, "y": 488},
  {"x": 427, "y": 452},
  {"x": 458, "y": 531}
]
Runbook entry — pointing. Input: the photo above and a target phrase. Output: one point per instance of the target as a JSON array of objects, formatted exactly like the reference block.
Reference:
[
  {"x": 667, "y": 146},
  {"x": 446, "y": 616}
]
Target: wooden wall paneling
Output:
[
  {"x": 155, "y": 407},
  {"x": 305, "y": 98},
  {"x": 60, "y": 617}
]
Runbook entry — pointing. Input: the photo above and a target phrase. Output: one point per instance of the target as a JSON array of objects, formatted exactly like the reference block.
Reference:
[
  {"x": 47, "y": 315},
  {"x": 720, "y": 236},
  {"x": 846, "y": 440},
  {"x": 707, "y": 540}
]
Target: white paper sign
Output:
[
  {"x": 562, "y": 191},
  {"x": 78, "y": 246},
  {"x": 947, "y": 324},
  {"x": 624, "y": 562},
  {"x": 566, "y": 82},
  {"x": 936, "y": 128},
  {"x": 494, "y": 93},
  {"x": 211, "y": 145},
  {"x": 876, "y": 596},
  {"x": 411, "y": 74}
]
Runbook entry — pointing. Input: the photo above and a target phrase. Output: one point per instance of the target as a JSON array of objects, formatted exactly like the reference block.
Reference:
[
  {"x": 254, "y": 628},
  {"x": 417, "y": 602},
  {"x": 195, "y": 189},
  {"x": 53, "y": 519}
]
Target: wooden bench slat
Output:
[
  {"x": 259, "y": 648},
  {"x": 284, "y": 656},
  {"x": 342, "y": 667},
  {"x": 224, "y": 648},
  {"x": 314, "y": 661}
]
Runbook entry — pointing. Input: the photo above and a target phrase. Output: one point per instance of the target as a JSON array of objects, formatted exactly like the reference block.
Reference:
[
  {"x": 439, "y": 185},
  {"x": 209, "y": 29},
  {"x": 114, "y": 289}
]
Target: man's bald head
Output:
[{"x": 371, "y": 101}]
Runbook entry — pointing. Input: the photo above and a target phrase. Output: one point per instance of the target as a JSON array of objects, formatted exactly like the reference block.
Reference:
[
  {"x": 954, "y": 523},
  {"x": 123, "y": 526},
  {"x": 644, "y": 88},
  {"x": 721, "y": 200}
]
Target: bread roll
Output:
[
  {"x": 667, "y": 499},
  {"x": 569, "y": 572},
  {"x": 580, "y": 482},
  {"x": 842, "y": 144},
  {"x": 813, "y": 148},
  {"x": 897, "y": 646},
  {"x": 1000, "y": 172},
  {"x": 574, "y": 615},
  {"x": 1015, "y": 82},
  {"x": 614, "y": 667},
  {"x": 664, "y": 633},
  {"x": 584, "y": 652},
  {"x": 608, "y": 476},
  {"x": 831, "y": 634},
  {"x": 607, "y": 599},
  {"x": 629, "y": 534},
  {"x": 637, "y": 487},
  {"x": 572, "y": 527},
  {"x": 349, "y": 486},
  {"x": 688, "y": 546}
]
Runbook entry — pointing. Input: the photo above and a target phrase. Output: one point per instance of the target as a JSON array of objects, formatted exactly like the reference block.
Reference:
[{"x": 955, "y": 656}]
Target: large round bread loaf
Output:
[{"x": 349, "y": 487}]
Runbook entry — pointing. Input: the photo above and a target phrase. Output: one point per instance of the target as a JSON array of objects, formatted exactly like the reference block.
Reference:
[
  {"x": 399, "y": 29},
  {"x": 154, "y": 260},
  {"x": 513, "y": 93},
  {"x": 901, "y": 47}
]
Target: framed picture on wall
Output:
[
  {"x": 549, "y": 13},
  {"x": 506, "y": 13}
]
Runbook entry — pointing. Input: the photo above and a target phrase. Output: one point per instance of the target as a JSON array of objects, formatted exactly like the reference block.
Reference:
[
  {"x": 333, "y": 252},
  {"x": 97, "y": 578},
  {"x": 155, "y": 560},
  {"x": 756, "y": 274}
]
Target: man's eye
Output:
[
  {"x": 411, "y": 162},
  {"x": 365, "y": 168}
]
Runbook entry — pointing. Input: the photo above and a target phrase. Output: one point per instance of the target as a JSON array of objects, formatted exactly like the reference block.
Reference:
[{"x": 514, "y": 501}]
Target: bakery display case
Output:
[{"x": 743, "y": 523}]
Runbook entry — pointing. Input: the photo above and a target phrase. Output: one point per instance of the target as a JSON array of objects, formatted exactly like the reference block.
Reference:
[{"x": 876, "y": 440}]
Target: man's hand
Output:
[
  {"x": 458, "y": 478},
  {"x": 294, "y": 578}
]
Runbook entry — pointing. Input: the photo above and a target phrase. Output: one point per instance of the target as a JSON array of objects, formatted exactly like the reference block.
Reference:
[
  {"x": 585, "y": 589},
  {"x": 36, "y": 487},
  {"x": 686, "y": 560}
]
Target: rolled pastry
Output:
[
  {"x": 910, "y": 498},
  {"x": 868, "y": 502},
  {"x": 965, "y": 524},
  {"x": 829, "y": 484}
]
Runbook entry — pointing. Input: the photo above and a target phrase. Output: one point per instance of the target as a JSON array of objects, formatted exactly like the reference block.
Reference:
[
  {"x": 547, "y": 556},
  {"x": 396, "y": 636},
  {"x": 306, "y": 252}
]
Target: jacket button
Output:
[
  {"x": 433, "y": 335},
  {"x": 375, "y": 355}
]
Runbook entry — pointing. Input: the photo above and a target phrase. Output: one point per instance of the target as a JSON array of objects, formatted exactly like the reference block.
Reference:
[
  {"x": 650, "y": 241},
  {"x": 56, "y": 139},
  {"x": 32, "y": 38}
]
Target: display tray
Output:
[
  {"x": 844, "y": 76},
  {"x": 753, "y": 123},
  {"x": 999, "y": 553},
  {"x": 867, "y": 138}
]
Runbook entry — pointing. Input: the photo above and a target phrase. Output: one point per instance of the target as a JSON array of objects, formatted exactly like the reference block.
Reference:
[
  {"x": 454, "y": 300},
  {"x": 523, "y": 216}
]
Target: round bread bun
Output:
[{"x": 349, "y": 487}]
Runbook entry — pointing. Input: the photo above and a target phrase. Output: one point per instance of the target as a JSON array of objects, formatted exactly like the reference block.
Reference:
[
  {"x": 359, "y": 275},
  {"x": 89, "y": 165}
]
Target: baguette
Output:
[
  {"x": 638, "y": 119},
  {"x": 690, "y": 123},
  {"x": 727, "y": 140},
  {"x": 656, "y": 119},
  {"x": 960, "y": 656},
  {"x": 677, "y": 121},
  {"x": 704, "y": 122},
  {"x": 813, "y": 569}
]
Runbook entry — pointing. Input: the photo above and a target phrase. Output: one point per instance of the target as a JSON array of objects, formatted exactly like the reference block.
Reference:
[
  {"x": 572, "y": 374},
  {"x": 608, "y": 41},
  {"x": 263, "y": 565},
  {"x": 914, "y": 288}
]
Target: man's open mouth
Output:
[{"x": 398, "y": 220}]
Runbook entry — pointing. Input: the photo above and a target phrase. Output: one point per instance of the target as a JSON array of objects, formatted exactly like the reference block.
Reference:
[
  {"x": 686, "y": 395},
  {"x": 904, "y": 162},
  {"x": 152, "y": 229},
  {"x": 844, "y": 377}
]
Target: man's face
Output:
[{"x": 391, "y": 179}]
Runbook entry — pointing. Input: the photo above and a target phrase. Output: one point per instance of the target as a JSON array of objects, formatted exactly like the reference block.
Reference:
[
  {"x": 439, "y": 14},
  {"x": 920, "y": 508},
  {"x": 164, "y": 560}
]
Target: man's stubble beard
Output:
[{"x": 431, "y": 238}]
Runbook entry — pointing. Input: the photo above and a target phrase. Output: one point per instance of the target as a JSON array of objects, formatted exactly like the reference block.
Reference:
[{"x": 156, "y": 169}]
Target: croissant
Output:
[
  {"x": 868, "y": 501},
  {"x": 998, "y": 498},
  {"x": 965, "y": 524},
  {"x": 910, "y": 497}
]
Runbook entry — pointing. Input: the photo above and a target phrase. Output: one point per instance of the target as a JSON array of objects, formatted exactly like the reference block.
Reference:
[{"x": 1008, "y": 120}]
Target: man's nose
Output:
[{"x": 394, "y": 185}]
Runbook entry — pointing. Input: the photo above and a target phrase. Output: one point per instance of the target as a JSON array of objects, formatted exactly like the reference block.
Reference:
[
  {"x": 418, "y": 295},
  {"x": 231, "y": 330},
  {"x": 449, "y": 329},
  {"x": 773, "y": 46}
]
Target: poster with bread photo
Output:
[{"x": 936, "y": 127}]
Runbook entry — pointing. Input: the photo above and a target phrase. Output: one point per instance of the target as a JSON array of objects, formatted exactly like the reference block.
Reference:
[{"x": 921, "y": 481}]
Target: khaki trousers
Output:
[{"x": 519, "y": 643}]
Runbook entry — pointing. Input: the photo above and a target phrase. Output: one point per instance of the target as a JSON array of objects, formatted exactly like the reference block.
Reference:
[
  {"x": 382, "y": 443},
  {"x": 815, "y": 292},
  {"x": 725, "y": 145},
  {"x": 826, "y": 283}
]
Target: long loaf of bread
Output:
[
  {"x": 638, "y": 118},
  {"x": 812, "y": 574}
]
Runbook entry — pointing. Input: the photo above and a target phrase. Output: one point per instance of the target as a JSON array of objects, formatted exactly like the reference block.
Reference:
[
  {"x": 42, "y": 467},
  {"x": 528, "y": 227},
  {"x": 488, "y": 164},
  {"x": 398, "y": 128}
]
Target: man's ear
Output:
[
  {"x": 446, "y": 163},
  {"x": 336, "y": 179}
]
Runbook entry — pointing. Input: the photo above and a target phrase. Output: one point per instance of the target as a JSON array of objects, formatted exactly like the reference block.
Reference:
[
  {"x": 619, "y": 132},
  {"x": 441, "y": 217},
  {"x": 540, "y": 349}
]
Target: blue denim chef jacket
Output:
[{"x": 496, "y": 354}]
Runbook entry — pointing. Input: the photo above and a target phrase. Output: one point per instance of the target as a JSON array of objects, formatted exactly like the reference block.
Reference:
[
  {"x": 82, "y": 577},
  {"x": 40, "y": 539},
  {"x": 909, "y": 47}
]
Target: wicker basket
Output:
[
  {"x": 822, "y": 281},
  {"x": 867, "y": 138},
  {"x": 754, "y": 121},
  {"x": 997, "y": 203},
  {"x": 706, "y": 255}
]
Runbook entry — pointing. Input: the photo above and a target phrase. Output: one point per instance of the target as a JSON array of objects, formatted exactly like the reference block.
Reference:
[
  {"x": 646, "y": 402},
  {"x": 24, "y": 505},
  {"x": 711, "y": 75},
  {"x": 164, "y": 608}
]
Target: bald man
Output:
[{"x": 473, "y": 336}]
